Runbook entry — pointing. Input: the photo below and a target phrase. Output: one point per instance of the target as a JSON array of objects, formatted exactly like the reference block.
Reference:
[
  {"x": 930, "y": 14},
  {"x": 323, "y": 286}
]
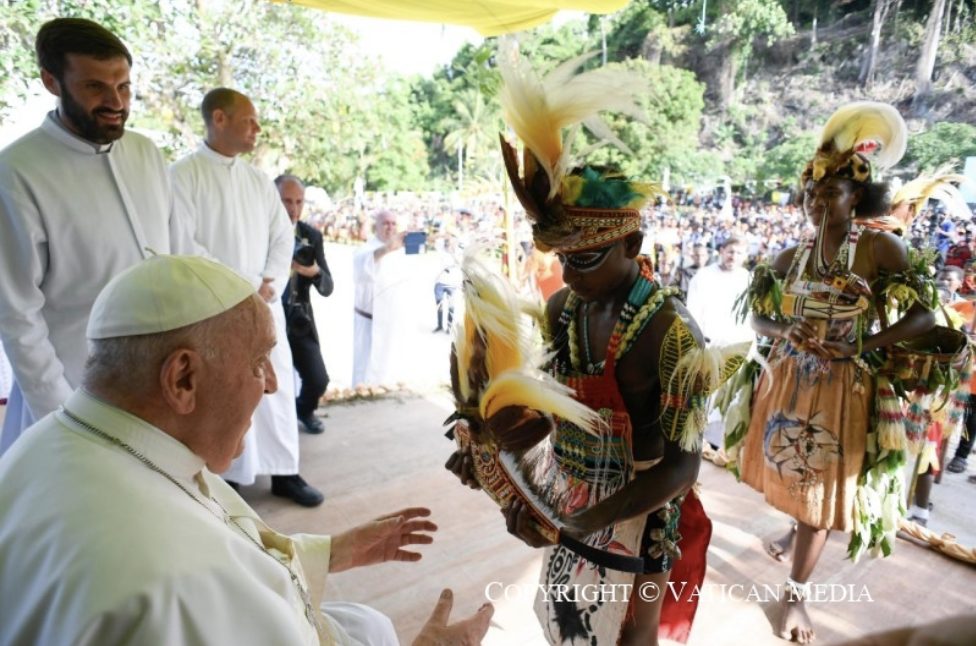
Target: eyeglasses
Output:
[{"x": 585, "y": 261}]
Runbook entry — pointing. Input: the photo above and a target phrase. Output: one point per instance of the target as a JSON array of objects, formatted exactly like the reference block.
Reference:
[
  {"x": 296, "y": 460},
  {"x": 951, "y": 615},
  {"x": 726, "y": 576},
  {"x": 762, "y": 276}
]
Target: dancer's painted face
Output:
[
  {"x": 585, "y": 261},
  {"x": 594, "y": 274},
  {"x": 834, "y": 196}
]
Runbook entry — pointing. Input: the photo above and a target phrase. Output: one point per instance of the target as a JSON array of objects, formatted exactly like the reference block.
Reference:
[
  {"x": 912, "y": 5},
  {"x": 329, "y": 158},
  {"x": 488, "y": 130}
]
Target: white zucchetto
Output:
[{"x": 165, "y": 293}]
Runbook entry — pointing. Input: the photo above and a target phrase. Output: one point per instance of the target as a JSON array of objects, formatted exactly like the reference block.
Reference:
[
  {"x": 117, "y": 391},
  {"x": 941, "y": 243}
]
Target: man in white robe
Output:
[
  {"x": 238, "y": 217},
  {"x": 114, "y": 528},
  {"x": 377, "y": 266},
  {"x": 81, "y": 199},
  {"x": 712, "y": 293}
]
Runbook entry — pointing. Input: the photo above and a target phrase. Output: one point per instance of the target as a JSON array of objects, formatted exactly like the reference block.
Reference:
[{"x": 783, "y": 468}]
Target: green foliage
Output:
[
  {"x": 631, "y": 27},
  {"x": 957, "y": 46},
  {"x": 473, "y": 129},
  {"x": 327, "y": 113},
  {"x": 459, "y": 102},
  {"x": 785, "y": 161},
  {"x": 546, "y": 46},
  {"x": 669, "y": 138},
  {"x": 943, "y": 143},
  {"x": 746, "y": 20},
  {"x": 330, "y": 114},
  {"x": 909, "y": 33}
]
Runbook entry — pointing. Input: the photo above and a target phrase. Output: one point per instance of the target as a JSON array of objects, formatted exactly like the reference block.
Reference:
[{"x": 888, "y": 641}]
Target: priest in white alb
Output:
[
  {"x": 81, "y": 199},
  {"x": 379, "y": 270},
  {"x": 239, "y": 219}
]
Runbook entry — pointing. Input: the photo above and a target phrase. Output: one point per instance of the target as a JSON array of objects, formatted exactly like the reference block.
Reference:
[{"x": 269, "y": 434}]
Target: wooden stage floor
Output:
[{"x": 382, "y": 455}]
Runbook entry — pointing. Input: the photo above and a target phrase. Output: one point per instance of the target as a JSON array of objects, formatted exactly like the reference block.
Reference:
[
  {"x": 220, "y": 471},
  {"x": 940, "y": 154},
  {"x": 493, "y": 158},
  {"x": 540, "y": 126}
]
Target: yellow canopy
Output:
[{"x": 489, "y": 17}]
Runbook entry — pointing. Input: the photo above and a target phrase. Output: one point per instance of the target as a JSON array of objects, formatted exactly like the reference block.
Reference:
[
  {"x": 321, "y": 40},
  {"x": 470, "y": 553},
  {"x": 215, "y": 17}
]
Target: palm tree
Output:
[{"x": 472, "y": 129}]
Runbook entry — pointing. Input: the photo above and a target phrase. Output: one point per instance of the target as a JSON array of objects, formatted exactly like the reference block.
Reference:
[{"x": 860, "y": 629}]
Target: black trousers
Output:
[
  {"x": 966, "y": 443},
  {"x": 307, "y": 357}
]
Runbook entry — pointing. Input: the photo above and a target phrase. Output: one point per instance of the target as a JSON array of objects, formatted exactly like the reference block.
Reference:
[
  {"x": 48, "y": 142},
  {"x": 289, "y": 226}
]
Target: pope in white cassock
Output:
[
  {"x": 114, "y": 528},
  {"x": 239, "y": 218},
  {"x": 81, "y": 199}
]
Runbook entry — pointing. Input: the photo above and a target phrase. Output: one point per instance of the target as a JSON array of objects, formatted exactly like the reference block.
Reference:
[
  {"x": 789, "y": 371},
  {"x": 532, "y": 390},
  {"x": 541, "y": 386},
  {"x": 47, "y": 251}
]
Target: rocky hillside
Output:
[{"x": 793, "y": 85}]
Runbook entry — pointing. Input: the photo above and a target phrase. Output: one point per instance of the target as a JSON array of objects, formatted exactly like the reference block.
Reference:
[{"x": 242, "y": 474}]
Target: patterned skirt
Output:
[{"x": 806, "y": 440}]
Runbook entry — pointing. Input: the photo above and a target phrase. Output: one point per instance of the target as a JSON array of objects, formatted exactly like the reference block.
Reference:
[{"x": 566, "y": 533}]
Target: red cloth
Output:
[{"x": 678, "y": 609}]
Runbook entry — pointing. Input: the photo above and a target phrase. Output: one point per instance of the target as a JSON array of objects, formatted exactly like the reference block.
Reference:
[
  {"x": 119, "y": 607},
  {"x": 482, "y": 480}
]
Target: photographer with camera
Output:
[{"x": 308, "y": 268}]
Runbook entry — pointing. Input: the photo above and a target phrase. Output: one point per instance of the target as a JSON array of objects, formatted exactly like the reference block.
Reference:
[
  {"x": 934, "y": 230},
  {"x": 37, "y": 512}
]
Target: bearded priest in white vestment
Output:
[
  {"x": 81, "y": 199},
  {"x": 239, "y": 218}
]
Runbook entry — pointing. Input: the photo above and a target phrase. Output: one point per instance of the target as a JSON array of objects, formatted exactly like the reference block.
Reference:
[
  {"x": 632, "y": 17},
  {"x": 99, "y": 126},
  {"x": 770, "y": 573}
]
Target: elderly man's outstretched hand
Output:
[
  {"x": 382, "y": 540},
  {"x": 467, "y": 632}
]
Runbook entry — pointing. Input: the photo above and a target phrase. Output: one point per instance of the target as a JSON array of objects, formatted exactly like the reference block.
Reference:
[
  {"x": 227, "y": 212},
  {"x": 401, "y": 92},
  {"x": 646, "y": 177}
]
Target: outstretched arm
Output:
[
  {"x": 467, "y": 632},
  {"x": 382, "y": 540}
]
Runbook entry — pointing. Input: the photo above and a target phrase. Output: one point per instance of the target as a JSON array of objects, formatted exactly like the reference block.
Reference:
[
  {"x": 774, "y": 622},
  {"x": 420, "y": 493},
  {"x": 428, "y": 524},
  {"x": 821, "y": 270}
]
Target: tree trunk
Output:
[
  {"x": 866, "y": 77},
  {"x": 726, "y": 77},
  {"x": 930, "y": 47},
  {"x": 962, "y": 11},
  {"x": 651, "y": 49},
  {"x": 460, "y": 162},
  {"x": 813, "y": 29}
]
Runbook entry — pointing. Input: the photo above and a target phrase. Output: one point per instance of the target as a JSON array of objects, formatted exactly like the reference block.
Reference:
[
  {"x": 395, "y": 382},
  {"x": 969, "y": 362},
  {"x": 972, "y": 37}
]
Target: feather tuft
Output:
[
  {"x": 878, "y": 127},
  {"x": 538, "y": 108},
  {"x": 940, "y": 186}
]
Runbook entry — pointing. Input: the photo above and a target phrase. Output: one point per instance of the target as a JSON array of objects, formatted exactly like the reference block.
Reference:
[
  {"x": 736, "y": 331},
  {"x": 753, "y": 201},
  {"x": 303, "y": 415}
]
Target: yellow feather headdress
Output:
[
  {"x": 858, "y": 140},
  {"x": 570, "y": 210},
  {"x": 941, "y": 186},
  {"x": 498, "y": 350}
]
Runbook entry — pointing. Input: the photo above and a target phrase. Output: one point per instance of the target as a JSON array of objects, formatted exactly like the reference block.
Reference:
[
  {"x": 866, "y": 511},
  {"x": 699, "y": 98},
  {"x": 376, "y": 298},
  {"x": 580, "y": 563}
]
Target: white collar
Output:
[
  {"x": 165, "y": 451},
  {"x": 215, "y": 156},
  {"x": 53, "y": 125}
]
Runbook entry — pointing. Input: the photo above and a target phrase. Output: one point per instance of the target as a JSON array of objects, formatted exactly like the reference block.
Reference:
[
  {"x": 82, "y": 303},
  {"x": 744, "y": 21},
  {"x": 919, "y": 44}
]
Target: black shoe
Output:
[
  {"x": 921, "y": 522},
  {"x": 233, "y": 485},
  {"x": 957, "y": 465},
  {"x": 311, "y": 424},
  {"x": 438, "y": 329},
  {"x": 296, "y": 489}
]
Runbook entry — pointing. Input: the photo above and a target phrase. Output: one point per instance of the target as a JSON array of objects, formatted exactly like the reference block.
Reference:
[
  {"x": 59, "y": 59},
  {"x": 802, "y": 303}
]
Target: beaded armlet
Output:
[{"x": 898, "y": 291}]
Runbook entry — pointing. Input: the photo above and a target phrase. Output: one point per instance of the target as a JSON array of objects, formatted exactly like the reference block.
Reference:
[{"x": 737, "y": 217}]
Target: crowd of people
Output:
[{"x": 154, "y": 314}]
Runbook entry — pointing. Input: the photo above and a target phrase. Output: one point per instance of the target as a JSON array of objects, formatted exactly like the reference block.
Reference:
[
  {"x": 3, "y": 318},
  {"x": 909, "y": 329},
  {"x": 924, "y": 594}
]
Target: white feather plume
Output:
[
  {"x": 538, "y": 109},
  {"x": 868, "y": 121}
]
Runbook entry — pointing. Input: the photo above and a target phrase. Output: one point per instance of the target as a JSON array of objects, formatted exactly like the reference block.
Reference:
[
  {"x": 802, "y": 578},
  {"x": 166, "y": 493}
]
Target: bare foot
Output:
[
  {"x": 794, "y": 622},
  {"x": 782, "y": 548}
]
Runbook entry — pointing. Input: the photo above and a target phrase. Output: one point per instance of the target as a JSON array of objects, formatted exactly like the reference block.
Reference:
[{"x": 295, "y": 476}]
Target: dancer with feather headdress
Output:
[
  {"x": 826, "y": 437},
  {"x": 628, "y": 350}
]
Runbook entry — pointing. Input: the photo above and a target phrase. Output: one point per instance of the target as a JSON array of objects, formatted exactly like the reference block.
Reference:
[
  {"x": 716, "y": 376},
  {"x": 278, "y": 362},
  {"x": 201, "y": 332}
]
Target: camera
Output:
[
  {"x": 298, "y": 319},
  {"x": 304, "y": 255}
]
